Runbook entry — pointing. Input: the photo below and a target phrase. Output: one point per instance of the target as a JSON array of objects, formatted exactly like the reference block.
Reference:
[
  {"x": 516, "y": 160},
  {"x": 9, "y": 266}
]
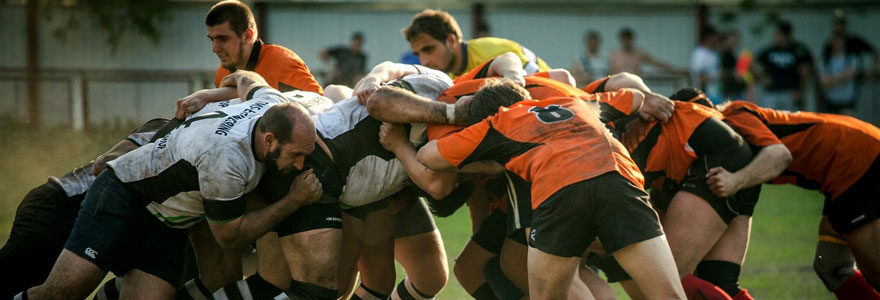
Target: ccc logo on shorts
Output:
[
  {"x": 532, "y": 235},
  {"x": 552, "y": 113},
  {"x": 91, "y": 253}
]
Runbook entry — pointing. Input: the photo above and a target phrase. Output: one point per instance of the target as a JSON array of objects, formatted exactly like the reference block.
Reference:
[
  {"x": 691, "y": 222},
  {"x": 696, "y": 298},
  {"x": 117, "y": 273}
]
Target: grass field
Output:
[{"x": 778, "y": 265}]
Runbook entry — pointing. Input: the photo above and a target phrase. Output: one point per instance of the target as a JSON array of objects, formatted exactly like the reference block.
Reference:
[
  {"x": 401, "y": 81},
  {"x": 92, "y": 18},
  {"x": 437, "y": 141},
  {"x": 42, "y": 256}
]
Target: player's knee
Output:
[{"x": 833, "y": 264}]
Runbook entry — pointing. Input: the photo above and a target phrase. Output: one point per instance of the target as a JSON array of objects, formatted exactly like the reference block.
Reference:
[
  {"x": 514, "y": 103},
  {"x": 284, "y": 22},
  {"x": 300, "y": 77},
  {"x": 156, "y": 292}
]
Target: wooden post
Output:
[{"x": 33, "y": 67}]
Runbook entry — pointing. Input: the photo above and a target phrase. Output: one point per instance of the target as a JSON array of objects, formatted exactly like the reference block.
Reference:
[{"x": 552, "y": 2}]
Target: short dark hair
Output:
[
  {"x": 493, "y": 94},
  {"x": 436, "y": 23},
  {"x": 784, "y": 27},
  {"x": 591, "y": 34},
  {"x": 280, "y": 120},
  {"x": 707, "y": 32},
  {"x": 357, "y": 35},
  {"x": 626, "y": 32},
  {"x": 691, "y": 94},
  {"x": 239, "y": 16}
]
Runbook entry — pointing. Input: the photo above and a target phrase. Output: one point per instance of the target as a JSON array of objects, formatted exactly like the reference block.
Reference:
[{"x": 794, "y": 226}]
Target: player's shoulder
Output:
[{"x": 277, "y": 52}]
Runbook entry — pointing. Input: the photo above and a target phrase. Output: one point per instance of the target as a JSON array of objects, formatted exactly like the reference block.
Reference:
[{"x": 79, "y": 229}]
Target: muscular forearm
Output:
[
  {"x": 387, "y": 71},
  {"x": 765, "y": 166},
  {"x": 252, "y": 225},
  {"x": 437, "y": 184},
  {"x": 390, "y": 104},
  {"x": 219, "y": 94}
]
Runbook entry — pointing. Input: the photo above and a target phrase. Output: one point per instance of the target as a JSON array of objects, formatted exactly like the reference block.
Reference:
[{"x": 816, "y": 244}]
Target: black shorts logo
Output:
[{"x": 552, "y": 113}]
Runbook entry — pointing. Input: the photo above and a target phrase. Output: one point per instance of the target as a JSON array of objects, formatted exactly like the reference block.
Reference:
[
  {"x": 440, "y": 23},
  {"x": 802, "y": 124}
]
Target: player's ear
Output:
[
  {"x": 451, "y": 41},
  {"x": 249, "y": 34},
  {"x": 269, "y": 140}
]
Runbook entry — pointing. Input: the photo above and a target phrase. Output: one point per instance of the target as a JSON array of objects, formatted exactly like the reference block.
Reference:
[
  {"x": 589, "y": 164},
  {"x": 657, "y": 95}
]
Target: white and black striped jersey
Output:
[
  {"x": 77, "y": 182},
  {"x": 201, "y": 168},
  {"x": 363, "y": 171}
]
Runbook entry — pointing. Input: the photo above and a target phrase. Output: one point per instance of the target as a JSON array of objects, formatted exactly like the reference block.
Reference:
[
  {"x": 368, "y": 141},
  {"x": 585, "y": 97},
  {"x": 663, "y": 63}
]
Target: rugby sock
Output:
[
  {"x": 405, "y": 290},
  {"x": 21, "y": 296},
  {"x": 500, "y": 284},
  {"x": 110, "y": 290},
  {"x": 299, "y": 290},
  {"x": 723, "y": 274},
  {"x": 254, "y": 287},
  {"x": 695, "y": 288},
  {"x": 484, "y": 292},
  {"x": 365, "y": 293},
  {"x": 856, "y": 287},
  {"x": 194, "y": 289}
]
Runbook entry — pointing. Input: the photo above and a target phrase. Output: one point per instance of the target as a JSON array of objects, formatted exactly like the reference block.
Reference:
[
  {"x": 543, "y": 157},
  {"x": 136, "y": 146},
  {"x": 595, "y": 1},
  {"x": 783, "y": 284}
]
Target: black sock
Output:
[
  {"x": 194, "y": 289},
  {"x": 484, "y": 292},
  {"x": 724, "y": 274},
  {"x": 110, "y": 290},
  {"x": 365, "y": 293},
  {"x": 403, "y": 292},
  {"x": 262, "y": 289}
]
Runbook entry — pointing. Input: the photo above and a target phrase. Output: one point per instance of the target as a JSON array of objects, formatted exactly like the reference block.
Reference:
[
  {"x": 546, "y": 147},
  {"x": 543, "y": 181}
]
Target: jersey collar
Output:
[
  {"x": 252, "y": 60},
  {"x": 464, "y": 58}
]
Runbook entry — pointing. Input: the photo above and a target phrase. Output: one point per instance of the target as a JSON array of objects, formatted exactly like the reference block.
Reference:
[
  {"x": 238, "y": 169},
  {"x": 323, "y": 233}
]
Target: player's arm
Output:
[
  {"x": 195, "y": 102},
  {"x": 244, "y": 82},
  {"x": 437, "y": 184},
  {"x": 238, "y": 232},
  {"x": 137, "y": 138},
  {"x": 766, "y": 165},
  {"x": 383, "y": 72},
  {"x": 430, "y": 157},
  {"x": 652, "y": 107},
  {"x": 396, "y": 105}
]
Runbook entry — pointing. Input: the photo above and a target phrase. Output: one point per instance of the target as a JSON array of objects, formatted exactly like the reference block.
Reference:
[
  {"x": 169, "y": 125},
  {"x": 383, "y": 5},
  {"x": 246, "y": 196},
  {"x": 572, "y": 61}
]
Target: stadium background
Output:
[{"x": 90, "y": 94}]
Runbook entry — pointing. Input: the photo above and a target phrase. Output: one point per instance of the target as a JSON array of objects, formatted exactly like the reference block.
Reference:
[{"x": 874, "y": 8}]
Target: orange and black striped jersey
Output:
[
  {"x": 613, "y": 105},
  {"x": 829, "y": 152},
  {"x": 661, "y": 150},
  {"x": 280, "y": 67},
  {"x": 551, "y": 143}
]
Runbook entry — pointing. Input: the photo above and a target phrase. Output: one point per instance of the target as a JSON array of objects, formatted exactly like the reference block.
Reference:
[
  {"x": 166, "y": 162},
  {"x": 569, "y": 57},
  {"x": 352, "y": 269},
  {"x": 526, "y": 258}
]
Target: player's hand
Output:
[
  {"x": 517, "y": 75},
  {"x": 99, "y": 165},
  {"x": 366, "y": 88},
  {"x": 305, "y": 189},
  {"x": 190, "y": 104},
  {"x": 392, "y": 136},
  {"x": 722, "y": 183},
  {"x": 656, "y": 107}
]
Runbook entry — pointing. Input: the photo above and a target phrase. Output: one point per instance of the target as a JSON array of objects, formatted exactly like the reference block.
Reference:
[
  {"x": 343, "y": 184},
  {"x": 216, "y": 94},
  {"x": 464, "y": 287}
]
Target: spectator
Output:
[
  {"x": 838, "y": 77},
  {"x": 349, "y": 62},
  {"x": 784, "y": 70},
  {"x": 853, "y": 45},
  {"x": 592, "y": 64},
  {"x": 736, "y": 80},
  {"x": 705, "y": 69},
  {"x": 629, "y": 58}
]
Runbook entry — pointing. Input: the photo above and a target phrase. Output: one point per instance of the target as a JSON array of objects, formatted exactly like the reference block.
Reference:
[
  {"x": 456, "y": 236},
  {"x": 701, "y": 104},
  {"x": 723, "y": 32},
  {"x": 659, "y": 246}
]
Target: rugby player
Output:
[
  {"x": 834, "y": 154},
  {"x": 389, "y": 105},
  {"x": 45, "y": 217},
  {"x": 353, "y": 152},
  {"x": 132, "y": 218},
  {"x": 234, "y": 39},
  {"x": 676, "y": 157},
  {"x": 231, "y": 27},
  {"x": 436, "y": 39},
  {"x": 537, "y": 140}
]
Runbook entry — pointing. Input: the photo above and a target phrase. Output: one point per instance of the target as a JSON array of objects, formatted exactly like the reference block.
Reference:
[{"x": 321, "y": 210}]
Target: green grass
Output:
[{"x": 778, "y": 265}]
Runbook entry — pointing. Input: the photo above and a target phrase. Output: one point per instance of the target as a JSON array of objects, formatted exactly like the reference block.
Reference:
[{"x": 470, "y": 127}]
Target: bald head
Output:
[{"x": 287, "y": 122}]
